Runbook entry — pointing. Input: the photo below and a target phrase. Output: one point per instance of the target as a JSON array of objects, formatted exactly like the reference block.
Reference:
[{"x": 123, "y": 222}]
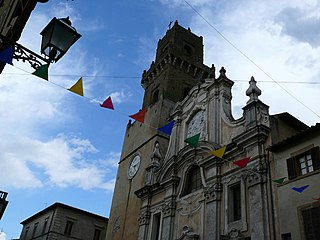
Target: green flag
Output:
[
  {"x": 42, "y": 72},
  {"x": 280, "y": 180},
  {"x": 193, "y": 141}
]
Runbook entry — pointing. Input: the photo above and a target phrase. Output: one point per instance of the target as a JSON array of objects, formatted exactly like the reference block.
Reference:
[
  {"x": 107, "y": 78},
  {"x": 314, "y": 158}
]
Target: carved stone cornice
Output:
[{"x": 253, "y": 177}]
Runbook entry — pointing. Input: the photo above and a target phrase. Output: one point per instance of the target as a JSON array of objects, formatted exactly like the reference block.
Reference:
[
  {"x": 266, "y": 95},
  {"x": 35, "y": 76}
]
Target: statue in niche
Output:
[{"x": 156, "y": 156}]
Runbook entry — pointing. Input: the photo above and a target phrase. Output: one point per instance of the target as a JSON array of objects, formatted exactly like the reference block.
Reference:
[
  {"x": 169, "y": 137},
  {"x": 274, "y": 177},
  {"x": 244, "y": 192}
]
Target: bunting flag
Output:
[
  {"x": 300, "y": 189},
  {"x": 219, "y": 152},
  {"x": 139, "y": 116},
  {"x": 42, "y": 72},
  {"x": 6, "y": 55},
  {"x": 279, "y": 180},
  {"x": 167, "y": 129},
  {"x": 107, "y": 104},
  {"x": 317, "y": 199},
  {"x": 77, "y": 88},
  {"x": 193, "y": 141},
  {"x": 242, "y": 163}
]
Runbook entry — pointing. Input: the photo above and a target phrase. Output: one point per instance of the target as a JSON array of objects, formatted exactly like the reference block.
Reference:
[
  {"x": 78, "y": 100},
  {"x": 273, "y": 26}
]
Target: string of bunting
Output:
[
  {"x": 242, "y": 163},
  {"x": 6, "y": 56}
]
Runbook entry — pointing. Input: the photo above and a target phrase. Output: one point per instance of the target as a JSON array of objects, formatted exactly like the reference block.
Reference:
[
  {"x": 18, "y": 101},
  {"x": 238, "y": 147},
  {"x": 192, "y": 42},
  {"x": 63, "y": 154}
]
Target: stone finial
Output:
[
  {"x": 253, "y": 91},
  {"x": 222, "y": 72}
]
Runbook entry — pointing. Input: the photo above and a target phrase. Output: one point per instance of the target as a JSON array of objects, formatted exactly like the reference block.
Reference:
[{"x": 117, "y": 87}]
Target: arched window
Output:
[{"x": 193, "y": 180}]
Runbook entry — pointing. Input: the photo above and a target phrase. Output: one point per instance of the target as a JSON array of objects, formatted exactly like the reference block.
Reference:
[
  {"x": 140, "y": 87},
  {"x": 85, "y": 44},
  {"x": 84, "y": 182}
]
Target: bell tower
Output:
[{"x": 178, "y": 67}]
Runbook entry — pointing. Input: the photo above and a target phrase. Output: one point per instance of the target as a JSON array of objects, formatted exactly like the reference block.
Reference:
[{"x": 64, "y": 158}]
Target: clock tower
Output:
[{"x": 177, "y": 68}]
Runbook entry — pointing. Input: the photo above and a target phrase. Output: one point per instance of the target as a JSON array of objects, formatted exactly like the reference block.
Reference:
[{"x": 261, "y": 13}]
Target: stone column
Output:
[
  {"x": 144, "y": 219},
  {"x": 213, "y": 196},
  {"x": 168, "y": 212},
  {"x": 258, "y": 209}
]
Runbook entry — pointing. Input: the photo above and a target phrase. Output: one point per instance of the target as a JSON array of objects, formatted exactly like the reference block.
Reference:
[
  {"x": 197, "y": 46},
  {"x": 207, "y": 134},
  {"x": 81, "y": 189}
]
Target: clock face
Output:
[{"x": 134, "y": 167}]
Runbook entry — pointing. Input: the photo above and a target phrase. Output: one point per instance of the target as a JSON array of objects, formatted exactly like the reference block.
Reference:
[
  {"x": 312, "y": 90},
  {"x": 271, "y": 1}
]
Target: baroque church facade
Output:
[{"x": 167, "y": 189}]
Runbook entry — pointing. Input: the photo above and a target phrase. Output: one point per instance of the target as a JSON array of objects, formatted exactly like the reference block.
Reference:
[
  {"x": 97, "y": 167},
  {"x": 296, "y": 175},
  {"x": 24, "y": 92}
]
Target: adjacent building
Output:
[
  {"x": 168, "y": 189},
  {"x": 63, "y": 222},
  {"x": 297, "y": 159}
]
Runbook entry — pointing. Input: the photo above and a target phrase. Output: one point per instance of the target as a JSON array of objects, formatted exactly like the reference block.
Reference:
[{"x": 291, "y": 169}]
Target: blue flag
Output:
[
  {"x": 167, "y": 129},
  {"x": 6, "y": 55},
  {"x": 300, "y": 189}
]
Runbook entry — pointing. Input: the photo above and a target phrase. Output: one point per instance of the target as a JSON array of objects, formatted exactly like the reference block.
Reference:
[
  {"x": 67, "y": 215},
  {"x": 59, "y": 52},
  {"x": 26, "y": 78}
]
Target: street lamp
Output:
[{"x": 57, "y": 37}]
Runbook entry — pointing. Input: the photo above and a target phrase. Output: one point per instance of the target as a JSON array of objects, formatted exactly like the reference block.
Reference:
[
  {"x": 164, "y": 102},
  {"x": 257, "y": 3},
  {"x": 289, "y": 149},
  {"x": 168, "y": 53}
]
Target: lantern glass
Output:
[{"x": 57, "y": 37}]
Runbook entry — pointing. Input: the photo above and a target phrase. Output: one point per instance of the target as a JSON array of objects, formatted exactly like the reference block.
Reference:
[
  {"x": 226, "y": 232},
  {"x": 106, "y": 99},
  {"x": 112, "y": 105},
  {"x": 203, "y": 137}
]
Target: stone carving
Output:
[
  {"x": 212, "y": 193},
  {"x": 188, "y": 234},
  {"x": 116, "y": 225},
  {"x": 197, "y": 125},
  {"x": 190, "y": 205},
  {"x": 144, "y": 217},
  {"x": 169, "y": 208},
  {"x": 156, "y": 156}
]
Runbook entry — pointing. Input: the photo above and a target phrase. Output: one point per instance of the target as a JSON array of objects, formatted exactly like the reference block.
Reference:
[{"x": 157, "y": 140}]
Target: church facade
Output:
[{"x": 168, "y": 189}]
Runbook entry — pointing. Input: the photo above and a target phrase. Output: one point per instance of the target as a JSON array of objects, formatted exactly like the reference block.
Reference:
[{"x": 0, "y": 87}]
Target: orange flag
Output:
[
  {"x": 77, "y": 88},
  {"x": 139, "y": 116},
  {"x": 219, "y": 152},
  {"x": 242, "y": 163}
]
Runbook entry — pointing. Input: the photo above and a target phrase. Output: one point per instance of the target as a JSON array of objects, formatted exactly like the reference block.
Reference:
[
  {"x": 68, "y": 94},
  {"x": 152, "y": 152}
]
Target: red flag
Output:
[
  {"x": 139, "y": 116},
  {"x": 242, "y": 163},
  {"x": 107, "y": 103}
]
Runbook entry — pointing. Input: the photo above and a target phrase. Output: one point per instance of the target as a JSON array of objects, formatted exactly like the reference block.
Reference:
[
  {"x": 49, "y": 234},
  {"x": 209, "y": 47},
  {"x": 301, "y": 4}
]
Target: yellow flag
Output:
[
  {"x": 77, "y": 88},
  {"x": 219, "y": 152}
]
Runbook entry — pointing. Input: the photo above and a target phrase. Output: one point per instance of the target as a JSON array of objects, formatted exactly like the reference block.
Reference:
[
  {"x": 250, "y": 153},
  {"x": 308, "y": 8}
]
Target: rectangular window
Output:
[
  {"x": 155, "y": 234},
  {"x": 304, "y": 163},
  {"x": 26, "y": 232},
  {"x": 45, "y": 225},
  {"x": 311, "y": 223},
  {"x": 286, "y": 236},
  {"x": 68, "y": 228},
  {"x": 34, "y": 229},
  {"x": 234, "y": 202},
  {"x": 97, "y": 234}
]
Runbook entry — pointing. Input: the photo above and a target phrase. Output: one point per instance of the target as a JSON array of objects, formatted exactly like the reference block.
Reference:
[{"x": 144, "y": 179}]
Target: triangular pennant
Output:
[
  {"x": 107, "y": 104},
  {"x": 193, "y": 141},
  {"x": 300, "y": 189},
  {"x": 219, "y": 152},
  {"x": 167, "y": 129},
  {"x": 6, "y": 55},
  {"x": 139, "y": 116},
  {"x": 42, "y": 72},
  {"x": 242, "y": 163},
  {"x": 279, "y": 180},
  {"x": 77, "y": 87}
]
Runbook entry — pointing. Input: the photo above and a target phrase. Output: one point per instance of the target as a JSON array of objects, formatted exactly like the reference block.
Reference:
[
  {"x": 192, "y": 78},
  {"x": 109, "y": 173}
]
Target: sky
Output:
[{"x": 57, "y": 146}]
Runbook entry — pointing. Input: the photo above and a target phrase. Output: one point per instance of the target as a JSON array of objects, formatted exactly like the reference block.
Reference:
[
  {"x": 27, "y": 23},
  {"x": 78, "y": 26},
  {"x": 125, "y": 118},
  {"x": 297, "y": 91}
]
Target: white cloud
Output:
[
  {"x": 253, "y": 27},
  {"x": 32, "y": 108},
  {"x": 119, "y": 97},
  {"x": 2, "y": 236},
  {"x": 61, "y": 161}
]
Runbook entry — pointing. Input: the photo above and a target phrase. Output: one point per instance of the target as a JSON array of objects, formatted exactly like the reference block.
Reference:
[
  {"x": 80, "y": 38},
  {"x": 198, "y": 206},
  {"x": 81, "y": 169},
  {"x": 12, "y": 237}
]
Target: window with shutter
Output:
[
  {"x": 311, "y": 223},
  {"x": 304, "y": 163}
]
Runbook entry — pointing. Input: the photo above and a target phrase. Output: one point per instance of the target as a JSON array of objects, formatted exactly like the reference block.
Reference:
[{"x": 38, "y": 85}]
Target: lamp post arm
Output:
[
  {"x": 25, "y": 54},
  {"x": 22, "y": 53}
]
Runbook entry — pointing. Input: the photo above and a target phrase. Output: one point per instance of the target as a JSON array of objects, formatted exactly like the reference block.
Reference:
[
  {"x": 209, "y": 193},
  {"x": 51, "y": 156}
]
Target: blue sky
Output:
[{"x": 59, "y": 147}]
